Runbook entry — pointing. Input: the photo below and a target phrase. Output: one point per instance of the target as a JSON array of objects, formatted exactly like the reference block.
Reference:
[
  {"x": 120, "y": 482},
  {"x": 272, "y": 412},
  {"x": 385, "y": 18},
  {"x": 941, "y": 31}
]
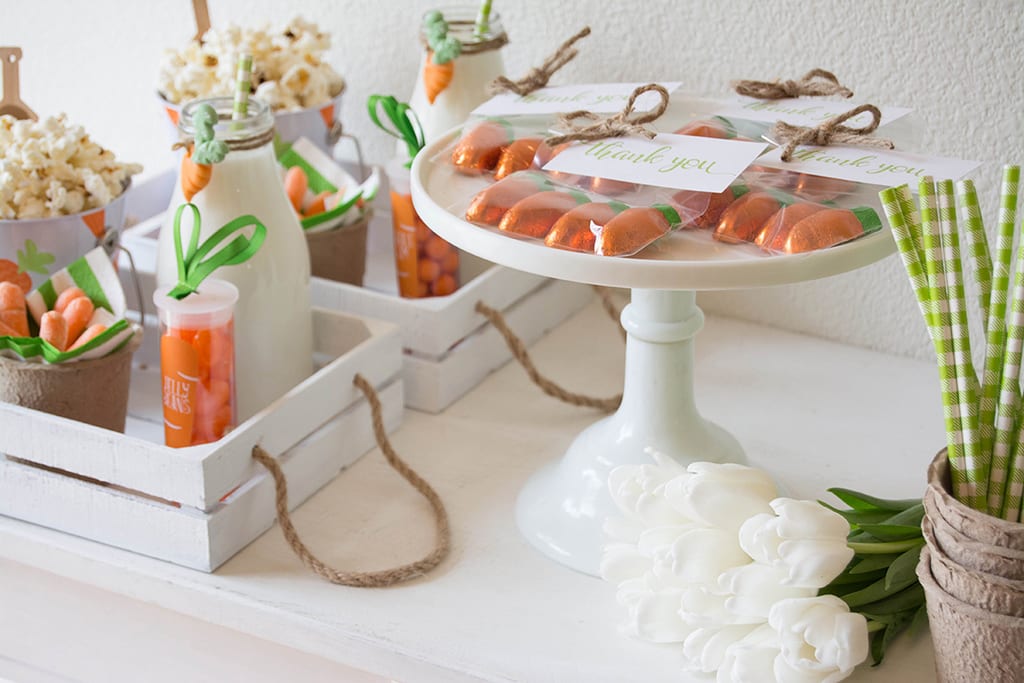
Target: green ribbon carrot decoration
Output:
[
  {"x": 192, "y": 269},
  {"x": 407, "y": 126}
]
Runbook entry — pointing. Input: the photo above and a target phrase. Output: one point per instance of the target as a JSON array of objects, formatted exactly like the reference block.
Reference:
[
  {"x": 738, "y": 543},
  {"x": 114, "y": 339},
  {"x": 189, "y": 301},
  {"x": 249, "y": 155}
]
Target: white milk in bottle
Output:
[
  {"x": 478, "y": 65},
  {"x": 273, "y": 321}
]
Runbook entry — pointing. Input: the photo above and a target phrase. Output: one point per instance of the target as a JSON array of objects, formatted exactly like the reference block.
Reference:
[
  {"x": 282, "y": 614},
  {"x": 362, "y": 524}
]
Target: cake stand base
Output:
[{"x": 562, "y": 509}]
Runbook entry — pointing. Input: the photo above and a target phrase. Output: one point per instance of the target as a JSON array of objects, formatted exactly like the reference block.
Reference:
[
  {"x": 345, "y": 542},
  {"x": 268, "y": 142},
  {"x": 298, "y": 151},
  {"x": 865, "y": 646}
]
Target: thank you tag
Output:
[
  {"x": 877, "y": 167},
  {"x": 802, "y": 111},
  {"x": 683, "y": 162},
  {"x": 599, "y": 98}
]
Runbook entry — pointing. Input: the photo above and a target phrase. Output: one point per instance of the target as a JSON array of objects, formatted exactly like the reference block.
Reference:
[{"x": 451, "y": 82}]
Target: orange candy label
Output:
[{"x": 179, "y": 377}]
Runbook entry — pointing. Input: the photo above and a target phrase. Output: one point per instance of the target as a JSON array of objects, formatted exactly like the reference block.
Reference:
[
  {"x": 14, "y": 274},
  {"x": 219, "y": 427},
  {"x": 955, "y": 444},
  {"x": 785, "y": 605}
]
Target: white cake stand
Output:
[{"x": 562, "y": 508}]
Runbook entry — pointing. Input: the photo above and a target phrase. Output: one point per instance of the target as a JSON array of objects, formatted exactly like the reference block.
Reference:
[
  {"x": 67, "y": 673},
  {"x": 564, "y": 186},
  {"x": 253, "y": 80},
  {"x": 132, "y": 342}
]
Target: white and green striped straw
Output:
[
  {"x": 1008, "y": 405},
  {"x": 483, "y": 19},
  {"x": 243, "y": 84},
  {"x": 977, "y": 242},
  {"x": 964, "y": 487},
  {"x": 1013, "y": 475},
  {"x": 906, "y": 244},
  {"x": 977, "y": 462},
  {"x": 1013, "y": 490},
  {"x": 992, "y": 298},
  {"x": 912, "y": 218}
]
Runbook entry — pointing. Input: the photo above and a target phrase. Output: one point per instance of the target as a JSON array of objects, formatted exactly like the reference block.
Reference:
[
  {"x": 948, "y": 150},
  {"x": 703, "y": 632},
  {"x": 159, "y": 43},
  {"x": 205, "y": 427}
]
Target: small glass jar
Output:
[
  {"x": 478, "y": 65},
  {"x": 273, "y": 319}
]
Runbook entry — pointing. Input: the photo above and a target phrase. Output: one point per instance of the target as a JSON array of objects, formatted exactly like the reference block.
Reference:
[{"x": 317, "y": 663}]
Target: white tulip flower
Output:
[{"x": 821, "y": 640}]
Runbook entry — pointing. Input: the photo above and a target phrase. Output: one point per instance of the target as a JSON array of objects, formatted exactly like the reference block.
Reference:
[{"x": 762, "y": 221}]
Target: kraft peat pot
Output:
[
  {"x": 972, "y": 572},
  {"x": 339, "y": 254},
  {"x": 971, "y": 644},
  {"x": 92, "y": 391}
]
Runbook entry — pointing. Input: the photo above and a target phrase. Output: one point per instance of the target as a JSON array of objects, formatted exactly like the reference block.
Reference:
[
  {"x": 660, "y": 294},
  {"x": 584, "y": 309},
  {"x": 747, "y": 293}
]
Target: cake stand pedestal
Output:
[{"x": 562, "y": 509}]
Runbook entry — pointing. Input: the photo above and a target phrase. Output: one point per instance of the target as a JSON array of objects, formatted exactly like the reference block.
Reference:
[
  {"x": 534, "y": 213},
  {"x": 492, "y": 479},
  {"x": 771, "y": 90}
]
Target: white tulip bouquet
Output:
[{"x": 758, "y": 587}]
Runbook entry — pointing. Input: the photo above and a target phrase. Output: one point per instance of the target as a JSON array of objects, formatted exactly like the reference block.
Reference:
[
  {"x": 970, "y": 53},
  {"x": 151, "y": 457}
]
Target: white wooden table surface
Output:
[{"x": 814, "y": 413}]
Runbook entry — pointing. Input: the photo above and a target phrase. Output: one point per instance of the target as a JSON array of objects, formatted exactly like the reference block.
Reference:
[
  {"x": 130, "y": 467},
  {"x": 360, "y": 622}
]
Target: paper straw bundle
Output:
[{"x": 984, "y": 420}]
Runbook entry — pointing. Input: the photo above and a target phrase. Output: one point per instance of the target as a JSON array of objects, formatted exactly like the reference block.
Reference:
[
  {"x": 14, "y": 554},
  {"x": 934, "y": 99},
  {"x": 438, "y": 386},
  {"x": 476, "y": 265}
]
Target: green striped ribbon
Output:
[
  {"x": 963, "y": 488},
  {"x": 243, "y": 85},
  {"x": 976, "y": 462}
]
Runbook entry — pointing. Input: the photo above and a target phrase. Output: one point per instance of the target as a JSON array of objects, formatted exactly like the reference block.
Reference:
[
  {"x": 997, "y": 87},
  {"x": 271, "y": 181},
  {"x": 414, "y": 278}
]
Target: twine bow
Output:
[
  {"x": 192, "y": 270},
  {"x": 539, "y": 76},
  {"x": 832, "y": 132},
  {"x": 626, "y": 122},
  {"x": 815, "y": 83}
]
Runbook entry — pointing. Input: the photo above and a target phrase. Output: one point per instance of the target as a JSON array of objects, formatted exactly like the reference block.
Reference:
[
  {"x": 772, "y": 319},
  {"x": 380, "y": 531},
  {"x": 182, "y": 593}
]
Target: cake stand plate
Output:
[{"x": 562, "y": 508}]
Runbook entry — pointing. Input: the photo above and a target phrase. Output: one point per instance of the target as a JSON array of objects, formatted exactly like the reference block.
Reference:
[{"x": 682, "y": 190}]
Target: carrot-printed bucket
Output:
[
  {"x": 197, "y": 363},
  {"x": 91, "y": 391},
  {"x": 32, "y": 249}
]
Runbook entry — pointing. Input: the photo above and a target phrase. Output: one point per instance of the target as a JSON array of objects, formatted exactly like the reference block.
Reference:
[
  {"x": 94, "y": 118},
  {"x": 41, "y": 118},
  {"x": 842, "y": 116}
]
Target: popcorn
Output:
[
  {"x": 52, "y": 168},
  {"x": 288, "y": 68}
]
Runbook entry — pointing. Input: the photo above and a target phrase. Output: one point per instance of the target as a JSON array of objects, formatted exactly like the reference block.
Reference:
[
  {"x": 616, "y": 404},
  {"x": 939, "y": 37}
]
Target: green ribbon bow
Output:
[
  {"x": 407, "y": 127},
  {"x": 192, "y": 270}
]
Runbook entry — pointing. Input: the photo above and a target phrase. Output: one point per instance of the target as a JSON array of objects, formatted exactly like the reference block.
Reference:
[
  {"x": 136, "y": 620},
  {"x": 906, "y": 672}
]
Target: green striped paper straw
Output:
[
  {"x": 1013, "y": 491},
  {"x": 1007, "y": 406},
  {"x": 243, "y": 84},
  {"x": 964, "y": 488},
  {"x": 483, "y": 19},
  {"x": 912, "y": 218},
  {"x": 908, "y": 250},
  {"x": 992, "y": 298},
  {"x": 977, "y": 242},
  {"x": 967, "y": 381},
  {"x": 1014, "y": 474}
]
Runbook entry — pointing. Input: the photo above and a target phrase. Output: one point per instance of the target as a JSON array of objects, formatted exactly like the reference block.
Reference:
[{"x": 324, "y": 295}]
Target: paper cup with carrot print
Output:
[
  {"x": 426, "y": 265},
  {"x": 197, "y": 363}
]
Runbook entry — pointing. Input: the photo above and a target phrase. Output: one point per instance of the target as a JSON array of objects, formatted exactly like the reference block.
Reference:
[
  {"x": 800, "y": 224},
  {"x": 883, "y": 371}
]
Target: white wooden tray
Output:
[
  {"x": 198, "y": 506},
  {"x": 449, "y": 347}
]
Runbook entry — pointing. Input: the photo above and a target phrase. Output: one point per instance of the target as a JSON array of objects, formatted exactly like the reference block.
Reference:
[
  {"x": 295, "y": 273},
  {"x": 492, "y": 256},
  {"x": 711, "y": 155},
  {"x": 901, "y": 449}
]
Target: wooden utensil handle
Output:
[
  {"x": 10, "y": 56},
  {"x": 202, "y": 15}
]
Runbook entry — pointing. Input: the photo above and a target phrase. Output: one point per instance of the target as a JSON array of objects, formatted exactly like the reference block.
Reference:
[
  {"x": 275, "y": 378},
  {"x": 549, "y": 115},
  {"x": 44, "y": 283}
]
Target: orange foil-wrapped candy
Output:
[
  {"x": 822, "y": 229},
  {"x": 633, "y": 229},
  {"x": 489, "y": 206},
  {"x": 609, "y": 187},
  {"x": 743, "y": 219},
  {"x": 776, "y": 229},
  {"x": 534, "y": 216},
  {"x": 705, "y": 207},
  {"x": 572, "y": 231},
  {"x": 821, "y": 189},
  {"x": 516, "y": 157},
  {"x": 479, "y": 149},
  {"x": 707, "y": 128},
  {"x": 546, "y": 153}
]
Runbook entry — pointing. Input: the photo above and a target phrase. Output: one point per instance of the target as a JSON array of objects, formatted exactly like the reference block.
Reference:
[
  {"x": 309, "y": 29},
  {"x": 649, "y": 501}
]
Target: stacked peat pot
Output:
[{"x": 972, "y": 571}]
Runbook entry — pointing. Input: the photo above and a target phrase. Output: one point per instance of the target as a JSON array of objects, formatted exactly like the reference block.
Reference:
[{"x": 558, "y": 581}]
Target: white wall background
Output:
[{"x": 959, "y": 65}]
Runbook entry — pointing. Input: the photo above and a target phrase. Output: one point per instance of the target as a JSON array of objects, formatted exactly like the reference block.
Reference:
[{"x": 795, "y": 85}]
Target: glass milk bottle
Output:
[
  {"x": 478, "y": 65},
  {"x": 273, "y": 321}
]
